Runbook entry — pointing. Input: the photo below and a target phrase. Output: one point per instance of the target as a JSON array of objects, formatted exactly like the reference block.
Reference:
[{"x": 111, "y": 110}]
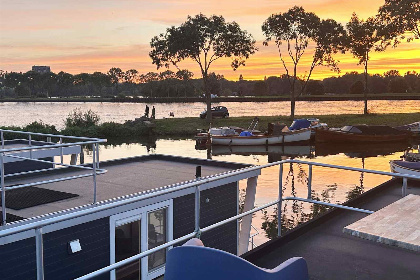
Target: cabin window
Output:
[{"x": 136, "y": 231}]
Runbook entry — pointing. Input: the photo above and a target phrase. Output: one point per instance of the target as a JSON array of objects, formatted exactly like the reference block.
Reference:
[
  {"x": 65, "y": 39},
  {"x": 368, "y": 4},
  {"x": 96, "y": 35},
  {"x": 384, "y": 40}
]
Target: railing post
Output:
[
  {"x": 39, "y": 254},
  {"x": 197, "y": 210},
  {"x": 280, "y": 200},
  {"x": 97, "y": 155},
  {"x": 3, "y": 190},
  {"x": 30, "y": 144},
  {"x": 404, "y": 187},
  {"x": 310, "y": 182},
  {"x": 94, "y": 172},
  {"x": 61, "y": 150},
  {"x": 2, "y": 139}
]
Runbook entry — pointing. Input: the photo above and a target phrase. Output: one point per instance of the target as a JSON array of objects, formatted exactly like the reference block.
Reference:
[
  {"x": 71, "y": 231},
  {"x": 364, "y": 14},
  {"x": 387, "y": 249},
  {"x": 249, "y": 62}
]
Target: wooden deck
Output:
[{"x": 397, "y": 224}]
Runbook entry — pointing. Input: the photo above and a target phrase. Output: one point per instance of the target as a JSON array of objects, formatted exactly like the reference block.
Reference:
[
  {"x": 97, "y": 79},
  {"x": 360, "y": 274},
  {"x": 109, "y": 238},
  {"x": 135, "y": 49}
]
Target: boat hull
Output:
[
  {"x": 323, "y": 136},
  {"x": 287, "y": 137},
  {"x": 397, "y": 168}
]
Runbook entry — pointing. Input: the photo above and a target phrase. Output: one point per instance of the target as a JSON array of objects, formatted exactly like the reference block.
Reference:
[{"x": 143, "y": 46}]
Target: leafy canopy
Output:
[
  {"x": 297, "y": 28},
  {"x": 399, "y": 16},
  {"x": 363, "y": 37},
  {"x": 204, "y": 40}
]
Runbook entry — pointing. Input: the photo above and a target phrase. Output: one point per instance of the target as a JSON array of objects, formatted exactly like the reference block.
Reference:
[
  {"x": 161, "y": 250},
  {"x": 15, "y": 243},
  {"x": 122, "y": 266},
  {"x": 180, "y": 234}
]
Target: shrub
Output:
[{"x": 77, "y": 118}]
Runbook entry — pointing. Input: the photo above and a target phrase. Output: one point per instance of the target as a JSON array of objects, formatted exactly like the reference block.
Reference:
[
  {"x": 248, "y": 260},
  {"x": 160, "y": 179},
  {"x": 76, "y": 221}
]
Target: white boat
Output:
[
  {"x": 281, "y": 138},
  {"x": 406, "y": 167}
]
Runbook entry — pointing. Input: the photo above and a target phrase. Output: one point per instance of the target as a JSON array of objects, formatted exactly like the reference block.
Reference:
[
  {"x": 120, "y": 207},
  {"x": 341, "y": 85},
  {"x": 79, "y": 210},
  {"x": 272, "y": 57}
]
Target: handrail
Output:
[
  {"x": 6, "y": 152},
  {"x": 101, "y": 207},
  {"x": 38, "y": 225},
  {"x": 49, "y": 134},
  {"x": 53, "y": 146}
]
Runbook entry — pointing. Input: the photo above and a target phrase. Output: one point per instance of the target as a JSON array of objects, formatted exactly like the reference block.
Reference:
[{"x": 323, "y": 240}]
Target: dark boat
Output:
[{"x": 362, "y": 134}]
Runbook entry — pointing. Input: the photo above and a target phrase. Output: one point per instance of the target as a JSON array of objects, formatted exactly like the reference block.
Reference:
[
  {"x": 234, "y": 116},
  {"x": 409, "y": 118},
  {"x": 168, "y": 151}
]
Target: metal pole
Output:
[
  {"x": 39, "y": 254},
  {"x": 30, "y": 144},
  {"x": 94, "y": 172},
  {"x": 97, "y": 155},
  {"x": 197, "y": 210},
  {"x": 3, "y": 190},
  {"x": 280, "y": 200},
  {"x": 61, "y": 150},
  {"x": 404, "y": 187},
  {"x": 2, "y": 139},
  {"x": 310, "y": 182}
]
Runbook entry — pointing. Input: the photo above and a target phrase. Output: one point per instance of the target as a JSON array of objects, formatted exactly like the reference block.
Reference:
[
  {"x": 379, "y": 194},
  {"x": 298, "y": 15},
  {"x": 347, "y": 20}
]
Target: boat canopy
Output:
[
  {"x": 299, "y": 124},
  {"x": 246, "y": 133}
]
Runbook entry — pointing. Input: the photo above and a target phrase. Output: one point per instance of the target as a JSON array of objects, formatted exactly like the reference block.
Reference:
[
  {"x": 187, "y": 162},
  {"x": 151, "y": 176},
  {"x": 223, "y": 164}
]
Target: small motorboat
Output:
[
  {"x": 277, "y": 134},
  {"x": 410, "y": 163},
  {"x": 362, "y": 134},
  {"x": 406, "y": 167}
]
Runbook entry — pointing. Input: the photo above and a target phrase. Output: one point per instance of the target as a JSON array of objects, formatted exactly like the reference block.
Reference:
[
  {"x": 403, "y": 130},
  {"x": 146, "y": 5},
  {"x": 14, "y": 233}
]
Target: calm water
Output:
[
  {"x": 330, "y": 185},
  {"x": 54, "y": 113}
]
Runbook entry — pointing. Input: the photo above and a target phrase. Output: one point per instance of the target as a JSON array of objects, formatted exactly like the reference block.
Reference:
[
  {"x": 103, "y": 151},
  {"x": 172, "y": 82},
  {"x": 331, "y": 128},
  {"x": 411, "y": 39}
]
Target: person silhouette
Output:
[
  {"x": 146, "y": 112},
  {"x": 153, "y": 113}
]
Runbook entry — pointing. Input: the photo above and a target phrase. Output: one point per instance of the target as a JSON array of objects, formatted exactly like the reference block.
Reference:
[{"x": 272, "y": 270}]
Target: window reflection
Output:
[
  {"x": 157, "y": 221},
  {"x": 127, "y": 244}
]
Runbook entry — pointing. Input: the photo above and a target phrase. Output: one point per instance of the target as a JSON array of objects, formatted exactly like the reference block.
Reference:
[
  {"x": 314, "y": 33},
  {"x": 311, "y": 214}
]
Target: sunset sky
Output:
[{"x": 94, "y": 35}]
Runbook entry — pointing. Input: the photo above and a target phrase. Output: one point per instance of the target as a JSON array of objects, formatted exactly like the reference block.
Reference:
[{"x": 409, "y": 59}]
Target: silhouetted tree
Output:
[
  {"x": 116, "y": 75},
  {"x": 398, "y": 85},
  {"x": 314, "y": 88},
  {"x": 204, "y": 40},
  {"x": 357, "y": 88},
  {"x": 260, "y": 88},
  {"x": 398, "y": 17},
  {"x": 296, "y": 29},
  {"x": 362, "y": 40}
]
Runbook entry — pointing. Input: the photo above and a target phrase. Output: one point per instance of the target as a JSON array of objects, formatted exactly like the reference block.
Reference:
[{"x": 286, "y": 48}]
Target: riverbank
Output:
[
  {"x": 187, "y": 127},
  {"x": 344, "y": 97}
]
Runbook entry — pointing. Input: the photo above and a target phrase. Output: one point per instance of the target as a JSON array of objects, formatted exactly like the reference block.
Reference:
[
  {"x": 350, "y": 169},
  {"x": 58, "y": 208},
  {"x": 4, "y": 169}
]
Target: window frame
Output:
[{"x": 142, "y": 215}]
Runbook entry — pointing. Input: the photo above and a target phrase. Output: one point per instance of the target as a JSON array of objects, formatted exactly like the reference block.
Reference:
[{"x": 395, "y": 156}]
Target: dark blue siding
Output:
[
  {"x": 18, "y": 260},
  {"x": 94, "y": 240},
  {"x": 222, "y": 205}
]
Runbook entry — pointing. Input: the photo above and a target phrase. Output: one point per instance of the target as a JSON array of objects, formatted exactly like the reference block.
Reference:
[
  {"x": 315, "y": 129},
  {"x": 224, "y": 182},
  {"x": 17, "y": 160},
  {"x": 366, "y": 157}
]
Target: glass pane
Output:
[
  {"x": 127, "y": 244},
  {"x": 157, "y": 221}
]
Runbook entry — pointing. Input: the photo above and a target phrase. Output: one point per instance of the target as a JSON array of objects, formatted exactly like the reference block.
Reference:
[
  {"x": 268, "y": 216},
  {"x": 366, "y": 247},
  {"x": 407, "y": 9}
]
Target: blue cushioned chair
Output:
[{"x": 203, "y": 263}]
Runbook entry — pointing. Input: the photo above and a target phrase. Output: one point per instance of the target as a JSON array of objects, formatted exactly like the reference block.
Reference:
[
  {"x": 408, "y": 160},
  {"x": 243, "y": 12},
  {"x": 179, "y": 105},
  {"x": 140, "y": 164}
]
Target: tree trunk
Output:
[
  {"x": 208, "y": 100},
  {"x": 365, "y": 111}
]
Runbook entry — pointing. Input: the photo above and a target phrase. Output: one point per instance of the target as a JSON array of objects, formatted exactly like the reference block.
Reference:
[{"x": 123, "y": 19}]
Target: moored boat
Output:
[
  {"x": 406, "y": 167},
  {"x": 301, "y": 135},
  {"x": 362, "y": 133}
]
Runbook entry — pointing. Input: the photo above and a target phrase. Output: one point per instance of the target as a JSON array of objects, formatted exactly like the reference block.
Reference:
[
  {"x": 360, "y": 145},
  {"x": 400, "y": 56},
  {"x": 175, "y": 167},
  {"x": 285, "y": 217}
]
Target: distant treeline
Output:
[{"x": 117, "y": 83}]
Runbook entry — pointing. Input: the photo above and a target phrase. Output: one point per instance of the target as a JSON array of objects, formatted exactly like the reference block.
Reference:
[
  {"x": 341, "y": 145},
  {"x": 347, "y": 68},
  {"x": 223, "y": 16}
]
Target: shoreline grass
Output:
[{"x": 187, "y": 127}]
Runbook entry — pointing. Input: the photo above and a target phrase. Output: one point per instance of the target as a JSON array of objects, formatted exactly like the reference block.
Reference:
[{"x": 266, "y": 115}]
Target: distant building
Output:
[{"x": 41, "y": 69}]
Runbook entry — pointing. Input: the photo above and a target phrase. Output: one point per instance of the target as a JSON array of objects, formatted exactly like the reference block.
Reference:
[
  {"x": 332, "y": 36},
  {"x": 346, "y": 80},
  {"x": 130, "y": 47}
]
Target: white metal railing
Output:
[
  {"x": 12, "y": 153},
  {"x": 38, "y": 225}
]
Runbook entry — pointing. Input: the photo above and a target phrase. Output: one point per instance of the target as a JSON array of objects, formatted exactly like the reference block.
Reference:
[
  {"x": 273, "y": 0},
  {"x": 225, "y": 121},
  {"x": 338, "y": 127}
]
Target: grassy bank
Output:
[{"x": 187, "y": 127}]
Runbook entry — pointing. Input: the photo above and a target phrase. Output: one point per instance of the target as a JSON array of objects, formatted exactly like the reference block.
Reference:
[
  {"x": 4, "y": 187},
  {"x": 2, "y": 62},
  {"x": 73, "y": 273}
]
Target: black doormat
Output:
[
  {"x": 10, "y": 217},
  {"x": 32, "y": 196}
]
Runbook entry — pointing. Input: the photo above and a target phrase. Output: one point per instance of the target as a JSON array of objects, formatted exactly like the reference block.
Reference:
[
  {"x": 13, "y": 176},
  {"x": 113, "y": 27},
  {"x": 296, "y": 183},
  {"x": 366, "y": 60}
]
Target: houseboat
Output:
[
  {"x": 117, "y": 219},
  {"x": 82, "y": 217}
]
